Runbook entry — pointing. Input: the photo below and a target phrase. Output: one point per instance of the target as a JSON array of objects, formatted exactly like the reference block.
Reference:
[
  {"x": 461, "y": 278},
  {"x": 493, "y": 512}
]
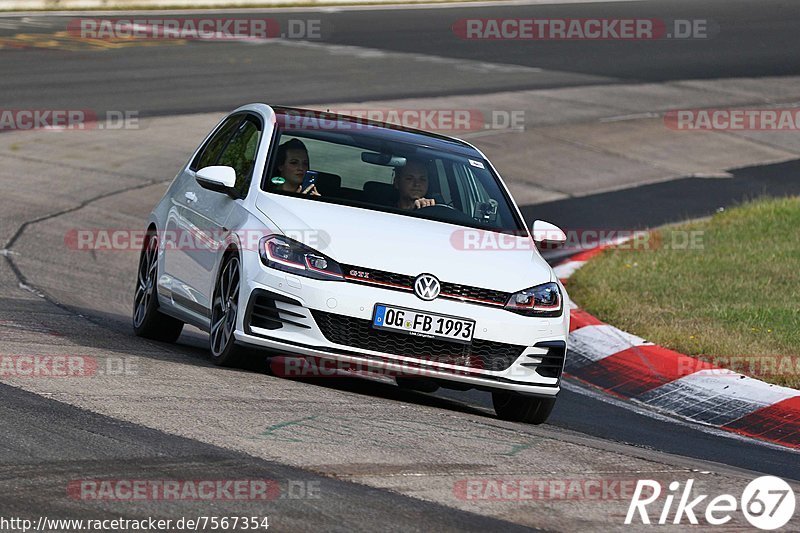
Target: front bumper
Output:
[{"x": 292, "y": 326}]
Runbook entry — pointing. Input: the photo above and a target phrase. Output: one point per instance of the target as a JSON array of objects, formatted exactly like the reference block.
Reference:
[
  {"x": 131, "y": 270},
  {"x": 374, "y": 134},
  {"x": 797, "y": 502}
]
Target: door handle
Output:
[{"x": 190, "y": 196}]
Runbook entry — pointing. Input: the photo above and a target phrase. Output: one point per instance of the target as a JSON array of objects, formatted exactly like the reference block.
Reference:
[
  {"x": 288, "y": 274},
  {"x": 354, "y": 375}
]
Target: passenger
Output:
[
  {"x": 411, "y": 182},
  {"x": 291, "y": 168}
]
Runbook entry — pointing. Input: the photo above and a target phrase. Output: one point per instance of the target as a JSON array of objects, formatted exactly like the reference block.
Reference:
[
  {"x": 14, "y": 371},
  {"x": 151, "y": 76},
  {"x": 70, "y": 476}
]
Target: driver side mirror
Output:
[
  {"x": 217, "y": 178},
  {"x": 544, "y": 232}
]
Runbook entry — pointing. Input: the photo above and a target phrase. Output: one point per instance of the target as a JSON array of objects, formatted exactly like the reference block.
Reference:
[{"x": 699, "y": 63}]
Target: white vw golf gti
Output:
[{"x": 334, "y": 239}]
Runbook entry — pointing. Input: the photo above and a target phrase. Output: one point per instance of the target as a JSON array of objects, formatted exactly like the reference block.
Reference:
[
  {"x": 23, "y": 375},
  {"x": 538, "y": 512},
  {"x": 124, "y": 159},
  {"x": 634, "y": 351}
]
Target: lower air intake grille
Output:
[
  {"x": 262, "y": 312},
  {"x": 552, "y": 363},
  {"x": 358, "y": 333}
]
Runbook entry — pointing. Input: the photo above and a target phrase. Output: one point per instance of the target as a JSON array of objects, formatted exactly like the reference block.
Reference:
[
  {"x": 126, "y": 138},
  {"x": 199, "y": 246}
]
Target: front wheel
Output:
[
  {"x": 519, "y": 408},
  {"x": 225, "y": 307},
  {"x": 148, "y": 321}
]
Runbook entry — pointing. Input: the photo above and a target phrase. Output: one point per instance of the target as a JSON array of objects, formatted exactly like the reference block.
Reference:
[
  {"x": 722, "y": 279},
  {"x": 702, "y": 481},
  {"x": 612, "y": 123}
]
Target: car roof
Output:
[{"x": 384, "y": 131}]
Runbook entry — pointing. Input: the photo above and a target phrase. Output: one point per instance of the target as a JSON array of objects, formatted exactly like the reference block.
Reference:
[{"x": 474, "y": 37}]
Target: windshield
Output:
[{"x": 367, "y": 171}]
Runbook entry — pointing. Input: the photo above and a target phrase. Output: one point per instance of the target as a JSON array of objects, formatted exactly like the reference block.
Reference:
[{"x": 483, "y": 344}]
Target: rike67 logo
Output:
[{"x": 767, "y": 503}]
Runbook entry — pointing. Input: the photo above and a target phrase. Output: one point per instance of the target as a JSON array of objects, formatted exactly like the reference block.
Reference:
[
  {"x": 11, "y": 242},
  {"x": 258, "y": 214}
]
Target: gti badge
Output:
[{"x": 427, "y": 287}]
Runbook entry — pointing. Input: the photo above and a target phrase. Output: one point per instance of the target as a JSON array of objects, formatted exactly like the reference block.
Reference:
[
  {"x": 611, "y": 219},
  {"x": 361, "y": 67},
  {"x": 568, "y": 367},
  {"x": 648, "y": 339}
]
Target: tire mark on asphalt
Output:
[
  {"x": 24, "y": 283},
  {"x": 275, "y": 427},
  {"x": 335, "y": 430}
]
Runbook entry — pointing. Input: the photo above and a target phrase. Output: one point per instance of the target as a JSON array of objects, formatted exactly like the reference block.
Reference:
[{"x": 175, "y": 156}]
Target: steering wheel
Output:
[
  {"x": 448, "y": 206},
  {"x": 446, "y": 213}
]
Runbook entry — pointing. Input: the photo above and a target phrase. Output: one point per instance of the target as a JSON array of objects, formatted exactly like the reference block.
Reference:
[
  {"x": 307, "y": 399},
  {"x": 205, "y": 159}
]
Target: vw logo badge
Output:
[{"x": 427, "y": 287}]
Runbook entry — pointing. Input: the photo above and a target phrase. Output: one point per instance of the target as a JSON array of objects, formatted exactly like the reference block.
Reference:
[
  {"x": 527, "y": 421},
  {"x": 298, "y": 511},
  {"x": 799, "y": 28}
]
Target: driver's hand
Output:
[
  {"x": 311, "y": 189},
  {"x": 419, "y": 203}
]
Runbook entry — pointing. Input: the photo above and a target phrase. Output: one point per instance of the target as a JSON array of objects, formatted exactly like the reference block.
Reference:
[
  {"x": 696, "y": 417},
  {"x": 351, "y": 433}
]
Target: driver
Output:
[
  {"x": 411, "y": 182},
  {"x": 291, "y": 167}
]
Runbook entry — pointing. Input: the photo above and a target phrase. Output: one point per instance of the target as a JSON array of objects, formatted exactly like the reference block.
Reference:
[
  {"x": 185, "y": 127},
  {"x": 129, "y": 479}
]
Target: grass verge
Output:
[{"x": 725, "y": 289}]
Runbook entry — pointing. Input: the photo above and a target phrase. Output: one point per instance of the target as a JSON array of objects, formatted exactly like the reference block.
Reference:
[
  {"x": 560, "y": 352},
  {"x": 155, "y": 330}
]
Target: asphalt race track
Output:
[
  {"x": 379, "y": 457},
  {"x": 758, "y": 40}
]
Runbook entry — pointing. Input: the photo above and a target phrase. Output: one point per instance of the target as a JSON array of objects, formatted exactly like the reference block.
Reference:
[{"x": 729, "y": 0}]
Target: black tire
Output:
[
  {"x": 224, "y": 310},
  {"x": 148, "y": 321},
  {"x": 519, "y": 408}
]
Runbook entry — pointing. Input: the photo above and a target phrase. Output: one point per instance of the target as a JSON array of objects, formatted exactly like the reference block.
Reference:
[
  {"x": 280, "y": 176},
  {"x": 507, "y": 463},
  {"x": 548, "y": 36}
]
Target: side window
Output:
[
  {"x": 240, "y": 153},
  {"x": 210, "y": 152}
]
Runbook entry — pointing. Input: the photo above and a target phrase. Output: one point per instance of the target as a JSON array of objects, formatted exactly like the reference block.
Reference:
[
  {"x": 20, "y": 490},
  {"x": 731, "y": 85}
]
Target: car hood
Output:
[{"x": 409, "y": 245}]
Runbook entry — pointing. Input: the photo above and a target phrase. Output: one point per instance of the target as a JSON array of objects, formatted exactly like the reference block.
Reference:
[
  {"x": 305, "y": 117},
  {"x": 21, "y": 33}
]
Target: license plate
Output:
[{"x": 423, "y": 324}]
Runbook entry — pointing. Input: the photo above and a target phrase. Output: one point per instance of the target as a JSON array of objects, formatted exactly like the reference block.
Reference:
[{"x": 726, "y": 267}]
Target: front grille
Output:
[
  {"x": 358, "y": 333},
  {"x": 404, "y": 282},
  {"x": 401, "y": 281},
  {"x": 475, "y": 293}
]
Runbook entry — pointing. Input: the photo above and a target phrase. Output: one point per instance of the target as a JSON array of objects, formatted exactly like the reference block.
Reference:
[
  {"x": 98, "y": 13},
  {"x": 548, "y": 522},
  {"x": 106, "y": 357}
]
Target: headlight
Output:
[
  {"x": 283, "y": 253},
  {"x": 543, "y": 301}
]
